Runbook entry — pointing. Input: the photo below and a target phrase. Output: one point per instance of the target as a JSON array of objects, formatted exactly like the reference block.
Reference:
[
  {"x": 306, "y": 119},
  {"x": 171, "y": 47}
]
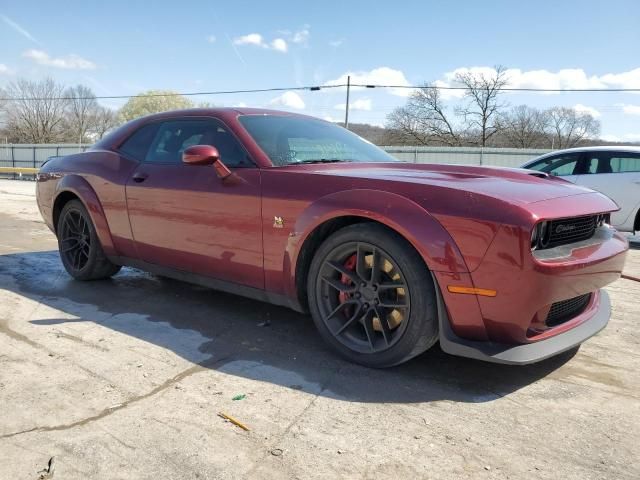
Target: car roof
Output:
[
  {"x": 115, "y": 137},
  {"x": 219, "y": 111},
  {"x": 595, "y": 148}
]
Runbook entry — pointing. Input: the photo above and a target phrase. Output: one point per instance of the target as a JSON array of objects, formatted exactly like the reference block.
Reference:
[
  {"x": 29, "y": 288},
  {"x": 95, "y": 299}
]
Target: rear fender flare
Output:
[
  {"x": 83, "y": 190},
  {"x": 407, "y": 218}
]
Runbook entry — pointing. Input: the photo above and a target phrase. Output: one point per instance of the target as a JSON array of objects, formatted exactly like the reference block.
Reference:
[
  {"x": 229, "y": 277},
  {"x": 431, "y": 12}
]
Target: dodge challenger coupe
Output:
[{"x": 504, "y": 265}]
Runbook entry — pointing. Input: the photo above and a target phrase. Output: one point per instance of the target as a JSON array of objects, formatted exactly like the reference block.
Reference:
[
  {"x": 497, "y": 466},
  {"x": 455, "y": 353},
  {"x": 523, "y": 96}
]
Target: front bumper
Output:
[
  {"x": 529, "y": 352},
  {"x": 528, "y": 284}
]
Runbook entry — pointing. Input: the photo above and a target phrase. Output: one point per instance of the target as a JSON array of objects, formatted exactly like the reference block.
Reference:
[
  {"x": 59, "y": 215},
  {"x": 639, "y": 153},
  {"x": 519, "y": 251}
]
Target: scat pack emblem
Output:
[{"x": 278, "y": 222}]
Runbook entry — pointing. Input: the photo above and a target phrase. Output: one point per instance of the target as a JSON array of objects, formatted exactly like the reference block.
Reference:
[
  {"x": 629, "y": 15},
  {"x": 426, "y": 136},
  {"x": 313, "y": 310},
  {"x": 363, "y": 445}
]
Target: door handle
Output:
[{"x": 139, "y": 177}]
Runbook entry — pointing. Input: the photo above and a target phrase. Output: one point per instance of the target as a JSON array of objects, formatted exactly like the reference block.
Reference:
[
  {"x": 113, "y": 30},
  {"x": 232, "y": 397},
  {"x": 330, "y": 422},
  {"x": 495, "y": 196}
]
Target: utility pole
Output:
[{"x": 346, "y": 110}]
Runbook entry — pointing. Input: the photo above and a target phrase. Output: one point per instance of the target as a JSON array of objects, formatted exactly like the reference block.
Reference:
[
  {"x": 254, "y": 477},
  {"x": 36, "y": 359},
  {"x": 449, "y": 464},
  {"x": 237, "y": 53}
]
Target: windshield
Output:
[{"x": 291, "y": 140}]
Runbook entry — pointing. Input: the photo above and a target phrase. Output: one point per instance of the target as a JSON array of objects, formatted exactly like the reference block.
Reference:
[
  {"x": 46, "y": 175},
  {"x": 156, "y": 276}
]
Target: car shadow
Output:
[{"x": 250, "y": 338}]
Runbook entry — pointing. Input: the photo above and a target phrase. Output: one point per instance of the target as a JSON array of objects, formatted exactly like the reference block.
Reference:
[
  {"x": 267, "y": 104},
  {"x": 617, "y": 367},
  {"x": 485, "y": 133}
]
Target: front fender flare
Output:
[
  {"x": 407, "y": 218},
  {"x": 81, "y": 188}
]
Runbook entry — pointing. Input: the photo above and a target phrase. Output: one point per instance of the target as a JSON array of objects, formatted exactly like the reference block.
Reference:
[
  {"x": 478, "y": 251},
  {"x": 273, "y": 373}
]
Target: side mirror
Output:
[
  {"x": 206, "y": 155},
  {"x": 200, "y": 155}
]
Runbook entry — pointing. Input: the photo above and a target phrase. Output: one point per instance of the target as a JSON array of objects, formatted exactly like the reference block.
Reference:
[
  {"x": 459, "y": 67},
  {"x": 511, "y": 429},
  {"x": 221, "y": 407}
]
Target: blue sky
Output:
[{"x": 119, "y": 47}]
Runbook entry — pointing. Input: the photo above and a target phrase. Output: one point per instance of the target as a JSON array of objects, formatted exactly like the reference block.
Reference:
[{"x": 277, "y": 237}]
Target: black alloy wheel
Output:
[
  {"x": 363, "y": 297},
  {"x": 372, "y": 297},
  {"x": 75, "y": 240},
  {"x": 79, "y": 245}
]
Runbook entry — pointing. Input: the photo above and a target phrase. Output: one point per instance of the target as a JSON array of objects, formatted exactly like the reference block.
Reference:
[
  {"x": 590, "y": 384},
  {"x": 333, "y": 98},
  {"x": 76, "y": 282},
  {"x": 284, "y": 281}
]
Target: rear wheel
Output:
[
  {"x": 79, "y": 246},
  {"x": 372, "y": 297}
]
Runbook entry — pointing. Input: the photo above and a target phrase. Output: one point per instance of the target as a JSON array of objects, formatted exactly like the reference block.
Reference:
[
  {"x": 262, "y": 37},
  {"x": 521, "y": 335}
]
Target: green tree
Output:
[{"x": 153, "y": 101}]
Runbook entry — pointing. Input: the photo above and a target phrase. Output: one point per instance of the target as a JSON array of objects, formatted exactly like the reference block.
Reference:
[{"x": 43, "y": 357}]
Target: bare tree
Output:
[
  {"x": 523, "y": 127},
  {"x": 82, "y": 113},
  {"x": 568, "y": 127},
  {"x": 3, "y": 115},
  {"x": 35, "y": 112},
  {"x": 105, "y": 119},
  {"x": 424, "y": 119},
  {"x": 483, "y": 106}
]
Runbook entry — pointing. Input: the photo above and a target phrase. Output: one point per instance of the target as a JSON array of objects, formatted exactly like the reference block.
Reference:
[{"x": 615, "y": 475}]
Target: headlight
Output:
[
  {"x": 540, "y": 235},
  {"x": 534, "y": 238},
  {"x": 603, "y": 219}
]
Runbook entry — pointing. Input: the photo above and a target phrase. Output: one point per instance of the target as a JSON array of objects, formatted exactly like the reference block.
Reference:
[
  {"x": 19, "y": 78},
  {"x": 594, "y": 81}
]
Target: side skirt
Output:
[{"x": 210, "y": 282}]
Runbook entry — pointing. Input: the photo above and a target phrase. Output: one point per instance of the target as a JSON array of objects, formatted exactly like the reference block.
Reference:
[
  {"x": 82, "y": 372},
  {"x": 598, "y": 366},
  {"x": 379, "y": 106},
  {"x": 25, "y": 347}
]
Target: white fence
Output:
[
  {"x": 32, "y": 155},
  {"x": 501, "y": 157},
  {"x": 26, "y": 155}
]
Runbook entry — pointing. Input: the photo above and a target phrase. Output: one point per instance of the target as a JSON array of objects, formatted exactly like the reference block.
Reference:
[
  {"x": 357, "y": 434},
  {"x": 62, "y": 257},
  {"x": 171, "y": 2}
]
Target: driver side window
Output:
[
  {"x": 175, "y": 136},
  {"x": 164, "y": 142}
]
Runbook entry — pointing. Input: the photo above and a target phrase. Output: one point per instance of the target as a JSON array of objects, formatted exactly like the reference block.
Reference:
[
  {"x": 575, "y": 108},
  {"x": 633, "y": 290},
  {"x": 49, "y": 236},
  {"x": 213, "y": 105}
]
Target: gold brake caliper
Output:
[{"x": 395, "y": 316}]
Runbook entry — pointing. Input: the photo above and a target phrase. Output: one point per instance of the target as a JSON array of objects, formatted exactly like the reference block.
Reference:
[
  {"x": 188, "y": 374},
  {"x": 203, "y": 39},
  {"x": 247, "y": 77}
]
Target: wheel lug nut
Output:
[
  {"x": 366, "y": 305},
  {"x": 357, "y": 294}
]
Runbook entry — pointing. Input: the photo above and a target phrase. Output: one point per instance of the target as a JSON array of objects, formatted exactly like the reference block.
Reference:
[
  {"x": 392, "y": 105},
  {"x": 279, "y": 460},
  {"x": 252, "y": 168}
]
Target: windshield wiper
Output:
[{"x": 321, "y": 160}]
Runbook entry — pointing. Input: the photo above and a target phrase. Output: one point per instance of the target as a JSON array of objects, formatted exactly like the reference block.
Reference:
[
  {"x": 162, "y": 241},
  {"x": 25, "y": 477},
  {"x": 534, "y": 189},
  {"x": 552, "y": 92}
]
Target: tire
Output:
[
  {"x": 79, "y": 246},
  {"x": 351, "y": 302}
]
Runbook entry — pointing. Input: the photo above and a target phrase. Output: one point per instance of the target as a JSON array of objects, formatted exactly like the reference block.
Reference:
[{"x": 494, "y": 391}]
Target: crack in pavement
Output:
[
  {"x": 207, "y": 364},
  {"x": 294, "y": 421}
]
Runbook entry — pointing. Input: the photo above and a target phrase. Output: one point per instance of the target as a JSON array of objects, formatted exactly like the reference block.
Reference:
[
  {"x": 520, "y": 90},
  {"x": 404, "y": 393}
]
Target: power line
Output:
[
  {"x": 506, "y": 89},
  {"x": 171, "y": 94},
  {"x": 325, "y": 87}
]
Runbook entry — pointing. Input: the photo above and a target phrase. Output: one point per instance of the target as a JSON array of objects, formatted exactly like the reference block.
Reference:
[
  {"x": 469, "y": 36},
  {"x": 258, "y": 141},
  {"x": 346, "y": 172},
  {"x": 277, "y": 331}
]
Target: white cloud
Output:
[
  {"x": 250, "y": 39},
  {"x": 4, "y": 70},
  {"x": 302, "y": 35},
  {"x": 568, "y": 78},
  {"x": 377, "y": 76},
  {"x": 256, "y": 40},
  {"x": 588, "y": 110},
  {"x": 625, "y": 137},
  {"x": 288, "y": 99},
  {"x": 279, "y": 44},
  {"x": 22, "y": 31},
  {"x": 610, "y": 138},
  {"x": 630, "y": 79},
  {"x": 70, "y": 62},
  {"x": 336, "y": 43},
  {"x": 240, "y": 105},
  {"x": 211, "y": 38},
  {"x": 629, "y": 109},
  {"x": 447, "y": 94},
  {"x": 360, "y": 104}
]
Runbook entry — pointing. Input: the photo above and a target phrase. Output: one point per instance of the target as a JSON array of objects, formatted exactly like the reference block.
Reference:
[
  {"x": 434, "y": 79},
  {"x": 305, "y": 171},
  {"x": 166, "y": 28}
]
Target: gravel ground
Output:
[{"x": 125, "y": 379}]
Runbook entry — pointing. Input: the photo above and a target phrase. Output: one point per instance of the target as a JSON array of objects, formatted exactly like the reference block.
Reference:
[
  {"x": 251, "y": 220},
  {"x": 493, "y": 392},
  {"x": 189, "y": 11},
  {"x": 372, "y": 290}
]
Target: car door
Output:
[
  {"x": 566, "y": 165},
  {"x": 184, "y": 216},
  {"x": 617, "y": 175}
]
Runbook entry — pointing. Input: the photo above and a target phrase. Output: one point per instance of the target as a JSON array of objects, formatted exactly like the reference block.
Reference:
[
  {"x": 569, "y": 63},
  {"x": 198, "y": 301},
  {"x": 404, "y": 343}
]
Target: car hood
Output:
[{"x": 514, "y": 185}]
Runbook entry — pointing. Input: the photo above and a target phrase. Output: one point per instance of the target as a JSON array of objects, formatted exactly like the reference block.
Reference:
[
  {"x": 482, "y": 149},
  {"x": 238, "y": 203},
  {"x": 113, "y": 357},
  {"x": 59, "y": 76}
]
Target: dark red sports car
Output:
[{"x": 498, "y": 264}]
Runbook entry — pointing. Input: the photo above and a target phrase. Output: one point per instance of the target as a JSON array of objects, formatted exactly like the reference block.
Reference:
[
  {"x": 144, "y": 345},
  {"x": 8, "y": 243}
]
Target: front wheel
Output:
[
  {"x": 79, "y": 246},
  {"x": 372, "y": 297}
]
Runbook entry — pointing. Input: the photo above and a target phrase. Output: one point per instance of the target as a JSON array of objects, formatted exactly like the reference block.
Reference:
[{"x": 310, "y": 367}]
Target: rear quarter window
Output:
[
  {"x": 137, "y": 145},
  {"x": 623, "y": 163}
]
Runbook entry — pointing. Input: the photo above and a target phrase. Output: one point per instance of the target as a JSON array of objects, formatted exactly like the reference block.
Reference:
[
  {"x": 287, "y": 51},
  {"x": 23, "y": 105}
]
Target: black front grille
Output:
[
  {"x": 565, "y": 310},
  {"x": 570, "y": 230}
]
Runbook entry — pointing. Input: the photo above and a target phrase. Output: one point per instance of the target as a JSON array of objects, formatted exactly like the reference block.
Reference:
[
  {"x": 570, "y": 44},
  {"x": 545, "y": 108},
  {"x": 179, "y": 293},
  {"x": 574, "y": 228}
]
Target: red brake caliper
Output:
[{"x": 349, "y": 264}]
